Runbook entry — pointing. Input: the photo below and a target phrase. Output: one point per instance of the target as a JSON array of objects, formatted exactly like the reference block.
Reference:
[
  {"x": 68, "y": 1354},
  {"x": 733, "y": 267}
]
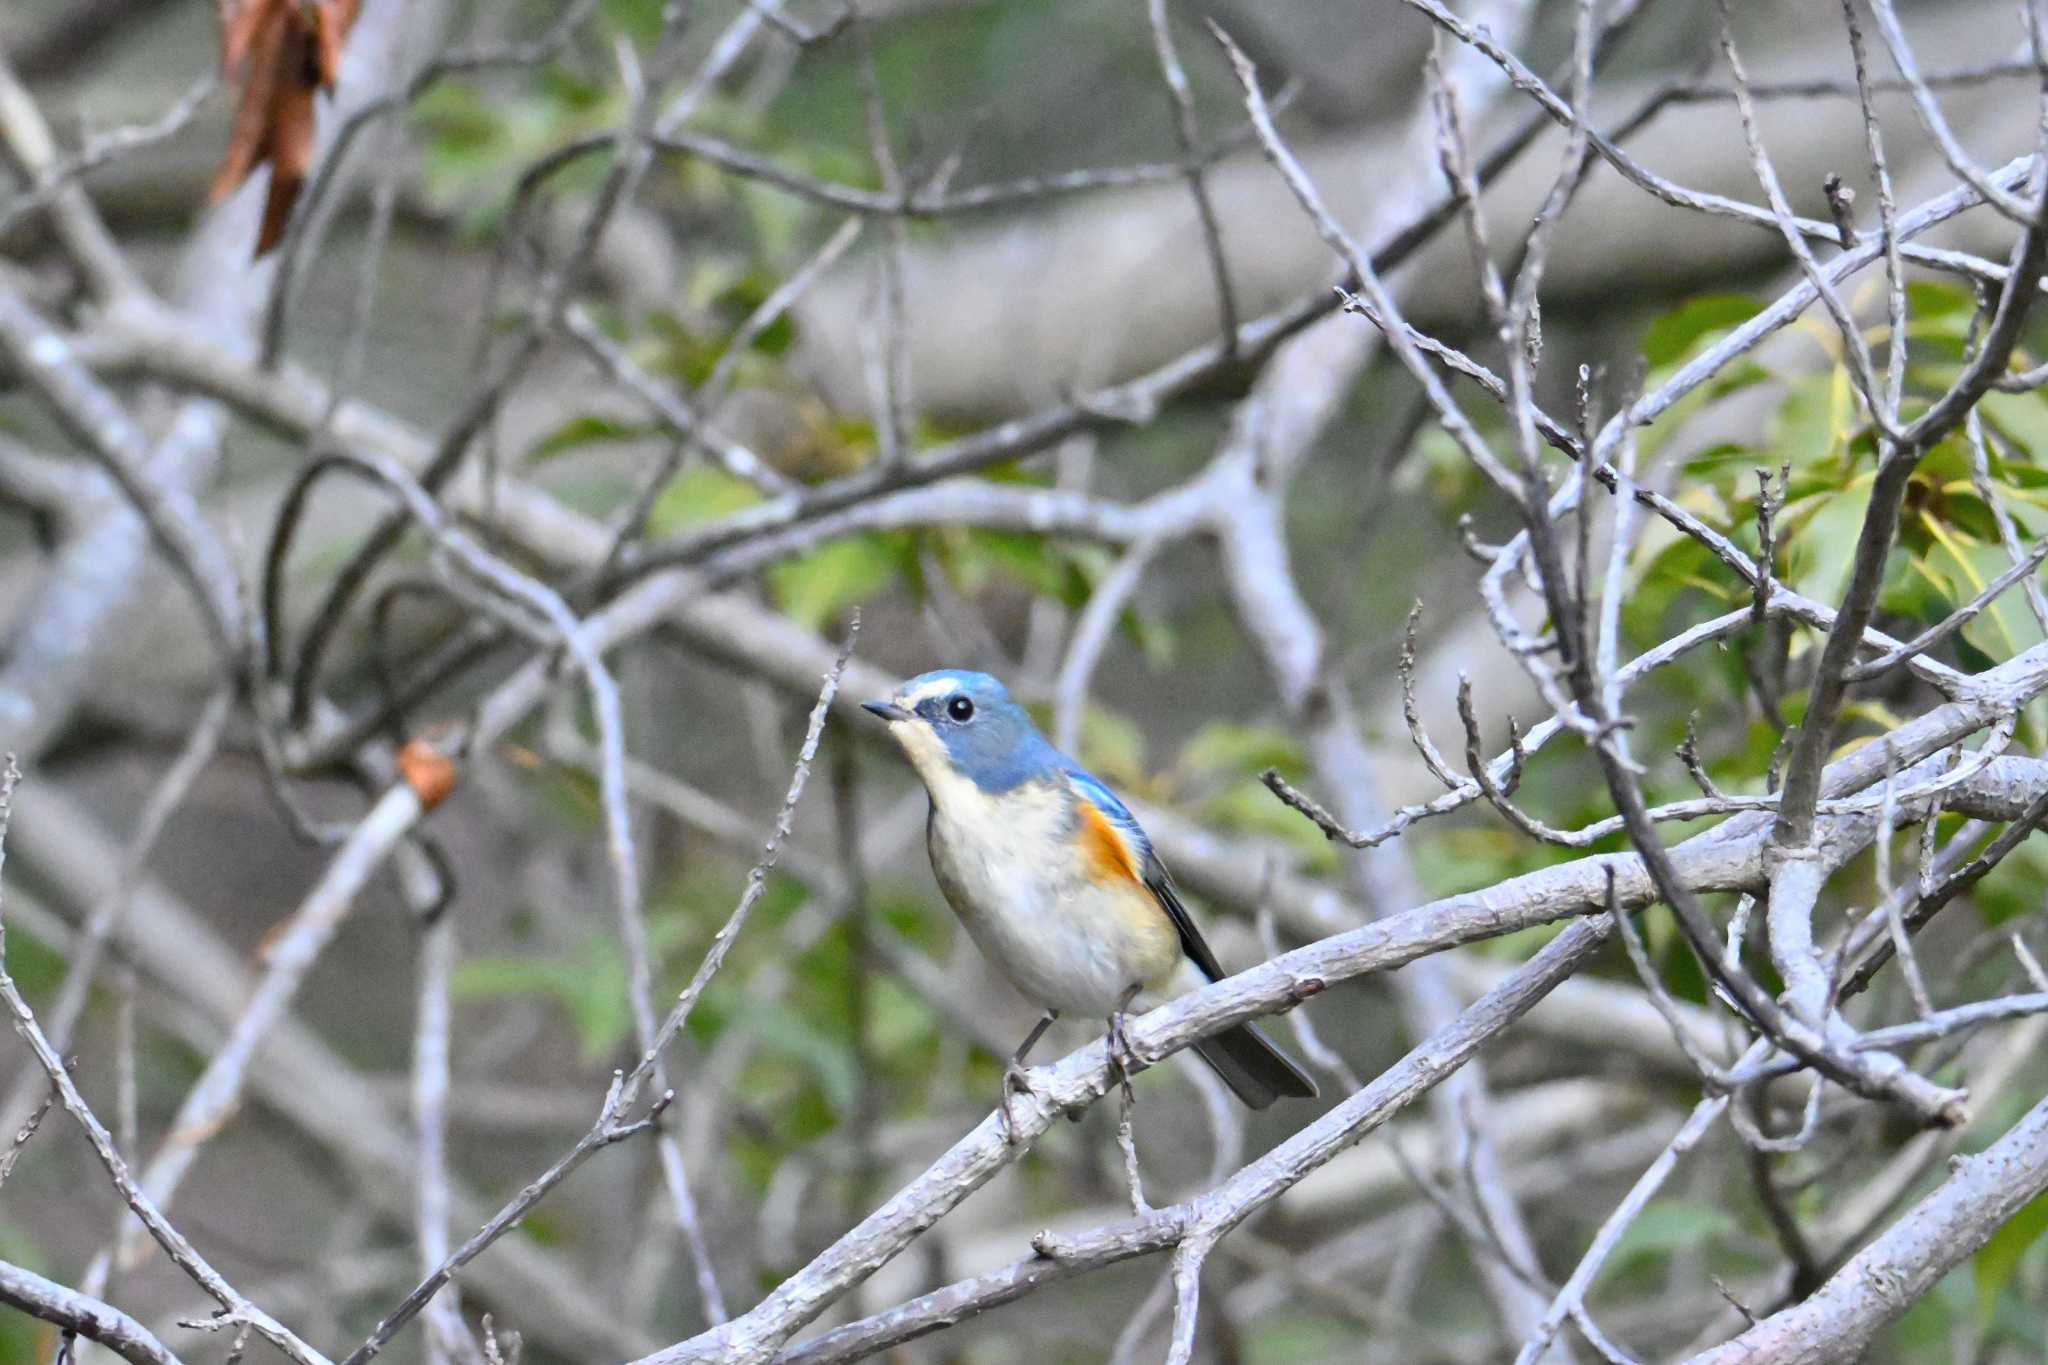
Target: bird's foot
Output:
[
  {"x": 1121, "y": 1057},
  {"x": 1016, "y": 1081}
]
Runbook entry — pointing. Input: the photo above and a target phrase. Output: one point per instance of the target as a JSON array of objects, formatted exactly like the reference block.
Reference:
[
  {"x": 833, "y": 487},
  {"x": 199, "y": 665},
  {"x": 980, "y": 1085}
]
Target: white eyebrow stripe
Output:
[{"x": 937, "y": 687}]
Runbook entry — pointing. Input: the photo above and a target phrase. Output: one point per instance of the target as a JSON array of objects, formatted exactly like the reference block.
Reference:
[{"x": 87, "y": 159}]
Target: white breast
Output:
[{"x": 1006, "y": 866}]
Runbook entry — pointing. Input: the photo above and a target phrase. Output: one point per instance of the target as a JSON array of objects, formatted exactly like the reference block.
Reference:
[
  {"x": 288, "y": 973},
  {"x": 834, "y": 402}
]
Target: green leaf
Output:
[
  {"x": 477, "y": 146},
  {"x": 589, "y": 985},
  {"x": 828, "y": 1060},
  {"x": 915, "y": 919},
  {"x": 1672, "y": 1225},
  {"x": 1041, "y": 565},
  {"x": 815, "y": 588},
  {"x": 1246, "y": 807},
  {"x": 1927, "y": 1329},
  {"x": 1451, "y": 862},
  {"x": 1667, "y": 569},
  {"x": 899, "y": 1020},
  {"x": 459, "y": 117},
  {"x": 2013, "y": 888},
  {"x": 776, "y": 338},
  {"x": 1938, "y": 299},
  {"x": 2007, "y": 626},
  {"x": 586, "y": 430},
  {"x": 639, "y": 20},
  {"x": 1993, "y": 1267},
  {"x": 572, "y": 92},
  {"x": 1675, "y": 334},
  {"x": 1112, "y": 744},
  {"x": 1284, "y": 1338},
  {"x": 36, "y": 967},
  {"x": 1227, "y": 747},
  {"x": 2021, "y": 417},
  {"x": 778, "y": 221},
  {"x": 1810, "y": 425},
  {"x": 699, "y": 494},
  {"x": 1823, "y": 549},
  {"x": 1153, "y": 635},
  {"x": 2018, "y": 1322}
]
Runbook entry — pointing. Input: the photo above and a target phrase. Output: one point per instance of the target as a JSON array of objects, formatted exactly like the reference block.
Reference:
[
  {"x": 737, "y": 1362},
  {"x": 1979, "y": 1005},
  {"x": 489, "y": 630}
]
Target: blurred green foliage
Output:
[{"x": 805, "y": 1076}]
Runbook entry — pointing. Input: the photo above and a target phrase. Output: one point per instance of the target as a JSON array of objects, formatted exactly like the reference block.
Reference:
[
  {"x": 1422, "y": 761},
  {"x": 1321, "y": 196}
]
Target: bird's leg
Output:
[
  {"x": 1120, "y": 1054},
  {"x": 1015, "y": 1080}
]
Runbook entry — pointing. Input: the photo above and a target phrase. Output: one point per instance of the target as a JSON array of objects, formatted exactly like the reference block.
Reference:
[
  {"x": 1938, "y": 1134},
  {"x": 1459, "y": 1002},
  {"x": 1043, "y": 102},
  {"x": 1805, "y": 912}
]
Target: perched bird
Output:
[{"x": 1054, "y": 879}]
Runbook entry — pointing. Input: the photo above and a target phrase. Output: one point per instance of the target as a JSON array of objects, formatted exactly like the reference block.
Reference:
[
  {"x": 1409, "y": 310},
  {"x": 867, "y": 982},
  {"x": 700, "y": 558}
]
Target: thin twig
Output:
[
  {"x": 1188, "y": 132},
  {"x": 180, "y": 1251}
]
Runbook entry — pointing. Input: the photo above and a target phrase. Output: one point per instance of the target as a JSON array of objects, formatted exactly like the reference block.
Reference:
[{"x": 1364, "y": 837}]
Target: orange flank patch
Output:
[{"x": 1103, "y": 850}]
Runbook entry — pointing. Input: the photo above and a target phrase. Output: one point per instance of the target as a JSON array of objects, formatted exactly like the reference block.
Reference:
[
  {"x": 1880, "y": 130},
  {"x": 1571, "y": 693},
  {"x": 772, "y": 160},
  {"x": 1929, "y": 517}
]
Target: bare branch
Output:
[
  {"x": 1188, "y": 131},
  {"x": 1883, "y": 1279},
  {"x": 1207, "y": 1217},
  {"x": 80, "y": 1313},
  {"x": 612, "y": 1125},
  {"x": 180, "y": 1251}
]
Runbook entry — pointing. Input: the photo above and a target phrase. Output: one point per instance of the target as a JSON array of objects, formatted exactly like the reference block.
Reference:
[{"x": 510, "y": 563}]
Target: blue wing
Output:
[
  {"x": 1153, "y": 872},
  {"x": 1091, "y": 789}
]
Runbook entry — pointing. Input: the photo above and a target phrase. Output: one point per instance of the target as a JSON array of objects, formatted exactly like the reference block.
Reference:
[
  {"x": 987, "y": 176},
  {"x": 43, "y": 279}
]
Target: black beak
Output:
[{"x": 887, "y": 710}]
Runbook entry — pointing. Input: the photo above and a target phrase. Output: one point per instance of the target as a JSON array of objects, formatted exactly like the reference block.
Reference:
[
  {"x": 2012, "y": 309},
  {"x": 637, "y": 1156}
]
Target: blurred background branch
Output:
[{"x": 1672, "y": 372}]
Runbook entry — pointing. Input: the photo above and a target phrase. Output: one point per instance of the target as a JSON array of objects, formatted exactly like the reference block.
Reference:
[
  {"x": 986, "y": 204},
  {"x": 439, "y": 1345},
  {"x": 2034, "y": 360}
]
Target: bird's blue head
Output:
[{"x": 956, "y": 724}]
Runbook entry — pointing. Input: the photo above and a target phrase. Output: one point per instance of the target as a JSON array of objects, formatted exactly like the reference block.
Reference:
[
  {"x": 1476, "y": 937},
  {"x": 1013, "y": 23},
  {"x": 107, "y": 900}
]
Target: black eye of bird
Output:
[{"x": 960, "y": 708}]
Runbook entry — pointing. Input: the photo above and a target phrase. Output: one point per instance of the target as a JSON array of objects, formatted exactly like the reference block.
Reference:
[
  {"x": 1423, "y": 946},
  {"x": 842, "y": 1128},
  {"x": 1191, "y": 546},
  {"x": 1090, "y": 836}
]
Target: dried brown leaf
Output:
[
  {"x": 240, "y": 23},
  {"x": 332, "y": 19},
  {"x": 283, "y": 52},
  {"x": 250, "y": 136}
]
